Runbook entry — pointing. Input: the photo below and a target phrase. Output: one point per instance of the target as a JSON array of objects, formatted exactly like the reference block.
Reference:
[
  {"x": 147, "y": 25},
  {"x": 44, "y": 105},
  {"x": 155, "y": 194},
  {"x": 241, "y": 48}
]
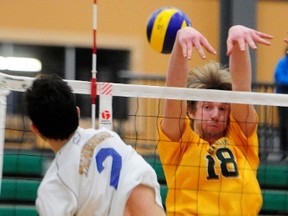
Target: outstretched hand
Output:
[
  {"x": 242, "y": 35},
  {"x": 188, "y": 38},
  {"x": 286, "y": 40}
]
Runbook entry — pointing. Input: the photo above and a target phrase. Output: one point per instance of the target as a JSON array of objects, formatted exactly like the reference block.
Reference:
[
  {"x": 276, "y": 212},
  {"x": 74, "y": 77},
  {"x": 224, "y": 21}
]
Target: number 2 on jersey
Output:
[{"x": 115, "y": 167}]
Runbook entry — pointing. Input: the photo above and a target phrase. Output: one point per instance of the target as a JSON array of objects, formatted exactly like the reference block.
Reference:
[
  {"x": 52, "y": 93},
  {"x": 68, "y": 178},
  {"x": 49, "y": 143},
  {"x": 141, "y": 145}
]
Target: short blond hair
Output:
[{"x": 209, "y": 76}]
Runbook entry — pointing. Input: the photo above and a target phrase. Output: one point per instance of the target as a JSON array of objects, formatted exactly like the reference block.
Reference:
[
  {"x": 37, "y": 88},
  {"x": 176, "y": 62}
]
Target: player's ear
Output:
[
  {"x": 78, "y": 111},
  {"x": 190, "y": 113},
  {"x": 34, "y": 129}
]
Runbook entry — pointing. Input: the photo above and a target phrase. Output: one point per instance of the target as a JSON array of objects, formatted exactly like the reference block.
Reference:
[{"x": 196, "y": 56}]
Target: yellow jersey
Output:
[{"x": 217, "y": 179}]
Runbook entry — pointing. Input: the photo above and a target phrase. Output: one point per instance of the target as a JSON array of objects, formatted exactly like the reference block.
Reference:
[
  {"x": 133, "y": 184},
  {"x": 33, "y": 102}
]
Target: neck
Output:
[{"x": 56, "y": 145}]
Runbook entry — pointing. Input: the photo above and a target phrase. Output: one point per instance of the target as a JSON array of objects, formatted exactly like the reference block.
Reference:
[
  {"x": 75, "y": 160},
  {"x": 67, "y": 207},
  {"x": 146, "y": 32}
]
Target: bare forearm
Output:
[
  {"x": 178, "y": 68},
  {"x": 240, "y": 69}
]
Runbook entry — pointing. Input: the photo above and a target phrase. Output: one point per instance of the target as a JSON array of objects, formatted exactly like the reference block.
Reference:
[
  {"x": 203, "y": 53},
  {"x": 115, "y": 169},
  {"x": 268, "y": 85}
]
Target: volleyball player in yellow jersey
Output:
[{"x": 209, "y": 150}]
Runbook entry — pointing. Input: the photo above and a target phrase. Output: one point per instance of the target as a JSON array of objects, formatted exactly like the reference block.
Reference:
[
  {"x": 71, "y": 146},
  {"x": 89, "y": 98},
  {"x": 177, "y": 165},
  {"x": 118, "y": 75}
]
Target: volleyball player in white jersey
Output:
[{"x": 94, "y": 172}]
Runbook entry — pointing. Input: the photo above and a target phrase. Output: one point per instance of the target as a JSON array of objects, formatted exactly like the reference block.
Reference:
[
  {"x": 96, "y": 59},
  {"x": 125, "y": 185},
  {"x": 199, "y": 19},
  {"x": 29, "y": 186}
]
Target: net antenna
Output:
[
  {"x": 94, "y": 64},
  {"x": 105, "y": 103}
]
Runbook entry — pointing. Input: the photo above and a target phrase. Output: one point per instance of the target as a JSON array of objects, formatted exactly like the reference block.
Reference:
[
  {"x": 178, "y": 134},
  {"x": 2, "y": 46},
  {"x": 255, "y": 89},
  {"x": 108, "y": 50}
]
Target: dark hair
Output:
[{"x": 51, "y": 107}]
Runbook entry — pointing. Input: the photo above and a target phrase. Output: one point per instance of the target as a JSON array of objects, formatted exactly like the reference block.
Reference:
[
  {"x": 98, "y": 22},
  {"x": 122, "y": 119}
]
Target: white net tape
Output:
[{"x": 20, "y": 83}]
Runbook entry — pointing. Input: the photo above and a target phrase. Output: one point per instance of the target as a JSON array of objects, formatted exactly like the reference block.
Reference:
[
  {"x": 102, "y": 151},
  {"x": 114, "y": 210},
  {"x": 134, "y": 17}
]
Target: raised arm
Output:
[
  {"x": 240, "y": 39},
  {"x": 175, "y": 110}
]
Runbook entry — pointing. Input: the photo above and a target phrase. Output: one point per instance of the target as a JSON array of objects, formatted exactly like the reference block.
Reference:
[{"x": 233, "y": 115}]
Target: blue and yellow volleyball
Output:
[{"x": 162, "y": 27}]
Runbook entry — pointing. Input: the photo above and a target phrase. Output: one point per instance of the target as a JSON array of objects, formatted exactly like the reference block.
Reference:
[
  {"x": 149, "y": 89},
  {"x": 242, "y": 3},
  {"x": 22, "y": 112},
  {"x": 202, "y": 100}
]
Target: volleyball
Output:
[{"x": 162, "y": 27}]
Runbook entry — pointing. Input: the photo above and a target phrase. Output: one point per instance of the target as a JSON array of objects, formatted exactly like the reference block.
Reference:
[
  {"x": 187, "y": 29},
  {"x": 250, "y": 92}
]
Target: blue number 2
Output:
[{"x": 116, "y": 164}]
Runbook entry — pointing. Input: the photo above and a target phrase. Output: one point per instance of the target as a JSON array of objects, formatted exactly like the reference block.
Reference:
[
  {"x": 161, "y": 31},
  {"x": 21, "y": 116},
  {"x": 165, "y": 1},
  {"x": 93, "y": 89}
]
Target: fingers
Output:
[
  {"x": 243, "y": 36},
  {"x": 189, "y": 38},
  {"x": 187, "y": 49},
  {"x": 200, "y": 50},
  {"x": 208, "y": 46},
  {"x": 203, "y": 45},
  {"x": 261, "y": 37},
  {"x": 251, "y": 44},
  {"x": 229, "y": 46},
  {"x": 241, "y": 43},
  {"x": 264, "y": 35}
]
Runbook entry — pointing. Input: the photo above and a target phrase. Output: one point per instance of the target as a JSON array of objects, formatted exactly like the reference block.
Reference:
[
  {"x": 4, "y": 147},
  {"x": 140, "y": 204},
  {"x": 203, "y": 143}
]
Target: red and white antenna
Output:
[{"x": 94, "y": 64}]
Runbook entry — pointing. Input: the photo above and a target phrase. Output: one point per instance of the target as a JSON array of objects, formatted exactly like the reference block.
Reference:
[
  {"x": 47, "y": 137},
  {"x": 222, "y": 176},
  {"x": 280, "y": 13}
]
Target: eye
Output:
[
  {"x": 223, "y": 108},
  {"x": 206, "y": 107}
]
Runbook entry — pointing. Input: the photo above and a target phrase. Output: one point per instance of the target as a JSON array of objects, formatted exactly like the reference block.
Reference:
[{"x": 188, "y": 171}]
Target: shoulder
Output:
[
  {"x": 235, "y": 130},
  {"x": 83, "y": 136}
]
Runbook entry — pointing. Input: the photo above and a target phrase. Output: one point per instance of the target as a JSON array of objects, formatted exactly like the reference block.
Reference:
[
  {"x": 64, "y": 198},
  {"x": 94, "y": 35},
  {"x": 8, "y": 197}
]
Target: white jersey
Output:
[{"x": 93, "y": 175}]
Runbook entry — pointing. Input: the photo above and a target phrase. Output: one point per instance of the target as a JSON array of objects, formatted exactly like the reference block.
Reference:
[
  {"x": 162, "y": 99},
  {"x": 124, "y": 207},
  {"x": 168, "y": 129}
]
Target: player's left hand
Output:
[{"x": 242, "y": 36}]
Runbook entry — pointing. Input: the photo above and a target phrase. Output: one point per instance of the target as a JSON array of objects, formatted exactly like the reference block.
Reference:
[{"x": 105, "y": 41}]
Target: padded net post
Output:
[{"x": 3, "y": 106}]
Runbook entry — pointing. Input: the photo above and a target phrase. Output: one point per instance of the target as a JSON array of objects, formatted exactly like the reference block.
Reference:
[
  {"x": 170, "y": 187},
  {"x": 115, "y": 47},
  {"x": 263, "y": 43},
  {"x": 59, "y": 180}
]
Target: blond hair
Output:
[{"x": 209, "y": 76}]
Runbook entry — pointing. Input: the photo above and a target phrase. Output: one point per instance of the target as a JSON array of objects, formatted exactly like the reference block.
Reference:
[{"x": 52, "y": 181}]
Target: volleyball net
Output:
[
  {"x": 134, "y": 116},
  {"x": 136, "y": 113},
  {"x": 138, "y": 108}
]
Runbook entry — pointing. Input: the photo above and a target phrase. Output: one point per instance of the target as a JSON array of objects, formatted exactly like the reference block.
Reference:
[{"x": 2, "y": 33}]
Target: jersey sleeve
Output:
[
  {"x": 55, "y": 199},
  {"x": 136, "y": 171},
  {"x": 248, "y": 145}
]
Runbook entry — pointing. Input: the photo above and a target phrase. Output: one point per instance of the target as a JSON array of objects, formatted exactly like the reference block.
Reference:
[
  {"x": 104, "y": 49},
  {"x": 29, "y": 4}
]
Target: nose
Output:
[{"x": 214, "y": 114}]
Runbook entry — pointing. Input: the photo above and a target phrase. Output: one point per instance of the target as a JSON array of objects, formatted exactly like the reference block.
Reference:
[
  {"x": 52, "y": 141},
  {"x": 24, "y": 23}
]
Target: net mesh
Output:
[{"x": 143, "y": 102}]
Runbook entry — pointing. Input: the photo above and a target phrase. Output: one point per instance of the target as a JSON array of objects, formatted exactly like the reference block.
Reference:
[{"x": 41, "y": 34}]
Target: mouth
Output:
[{"x": 213, "y": 124}]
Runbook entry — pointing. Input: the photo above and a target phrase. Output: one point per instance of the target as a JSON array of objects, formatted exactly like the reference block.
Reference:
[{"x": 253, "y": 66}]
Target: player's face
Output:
[{"x": 211, "y": 120}]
